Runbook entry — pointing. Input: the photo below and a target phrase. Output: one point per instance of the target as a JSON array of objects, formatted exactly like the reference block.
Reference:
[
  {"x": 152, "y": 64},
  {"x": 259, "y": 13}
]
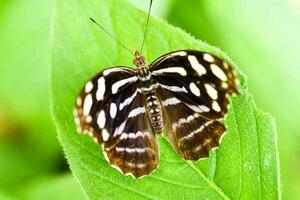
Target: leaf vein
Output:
[
  {"x": 259, "y": 152},
  {"x": 241, "y": 160}
]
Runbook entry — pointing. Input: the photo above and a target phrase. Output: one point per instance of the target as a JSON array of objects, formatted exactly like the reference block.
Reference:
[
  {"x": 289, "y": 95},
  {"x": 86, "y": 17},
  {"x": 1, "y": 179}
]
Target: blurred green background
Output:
[{"x": 262, "y": 37}]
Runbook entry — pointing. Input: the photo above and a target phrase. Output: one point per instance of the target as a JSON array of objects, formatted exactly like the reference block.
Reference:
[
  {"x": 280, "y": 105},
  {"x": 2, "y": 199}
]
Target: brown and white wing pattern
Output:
[
  {"x": 194, "y": 88},
  {"x": 190, "y": 134},
  {"x": 112, "y": 111},
  {"x": 134, "y": 149}
]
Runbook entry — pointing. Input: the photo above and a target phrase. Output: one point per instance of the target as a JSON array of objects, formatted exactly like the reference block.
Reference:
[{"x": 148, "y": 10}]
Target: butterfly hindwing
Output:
[
  {"x": 191, "y": 135},
  {"x": 135, "y": 151}
]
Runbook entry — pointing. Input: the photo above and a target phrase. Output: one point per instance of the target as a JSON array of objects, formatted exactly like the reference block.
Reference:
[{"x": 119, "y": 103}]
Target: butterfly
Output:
[{"x": 182, "y": 93}]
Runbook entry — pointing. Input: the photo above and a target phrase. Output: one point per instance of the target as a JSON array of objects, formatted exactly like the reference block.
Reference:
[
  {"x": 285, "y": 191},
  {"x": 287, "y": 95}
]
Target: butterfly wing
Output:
[
  {"x": 135, "y": 151},
  {"x": 198, "y": 78},
  {"x": 193, "y": 87},
  {"x": 113, "y": 112},
  {"x": 190, "y": 134}
]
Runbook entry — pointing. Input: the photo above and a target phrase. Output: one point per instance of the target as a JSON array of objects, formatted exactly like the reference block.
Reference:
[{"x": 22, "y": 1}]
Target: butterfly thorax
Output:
[
  {"x": 142, "y": 68},
  {"x": 148, "y": 87}
]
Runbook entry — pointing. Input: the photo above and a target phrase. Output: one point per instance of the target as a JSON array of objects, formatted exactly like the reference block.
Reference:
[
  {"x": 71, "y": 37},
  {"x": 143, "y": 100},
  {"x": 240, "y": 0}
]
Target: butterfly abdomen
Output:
[
  {"x": 148, "y": 87},
  {"x": 154, "y": 111}
]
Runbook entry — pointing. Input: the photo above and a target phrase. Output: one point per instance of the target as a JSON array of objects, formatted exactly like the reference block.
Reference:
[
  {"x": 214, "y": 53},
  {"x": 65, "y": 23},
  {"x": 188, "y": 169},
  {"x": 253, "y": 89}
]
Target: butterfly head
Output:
[{"x": 139, "y": 60}]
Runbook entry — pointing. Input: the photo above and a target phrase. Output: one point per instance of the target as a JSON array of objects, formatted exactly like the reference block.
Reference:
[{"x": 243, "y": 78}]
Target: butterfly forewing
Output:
[
  {"x": 193, "y": 87},
  {"x": 98, "y": 103},
  {"x": 113, "y": 112},
  {"x": 197, "y": 78}
]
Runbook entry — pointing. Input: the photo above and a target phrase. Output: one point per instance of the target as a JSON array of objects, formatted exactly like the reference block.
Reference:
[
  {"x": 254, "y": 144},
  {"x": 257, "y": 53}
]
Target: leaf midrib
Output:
[
  {"x": 259, "y": 152},
  {"x": 203, "y": 177},
  {"x": 241, "y": 161}
]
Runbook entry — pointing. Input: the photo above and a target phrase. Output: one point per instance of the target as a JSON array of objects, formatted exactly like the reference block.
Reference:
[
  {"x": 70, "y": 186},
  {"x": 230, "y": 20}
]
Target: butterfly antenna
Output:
[
  {"x": 112, "y": 36},
  {"x": 146, "y": 29}
]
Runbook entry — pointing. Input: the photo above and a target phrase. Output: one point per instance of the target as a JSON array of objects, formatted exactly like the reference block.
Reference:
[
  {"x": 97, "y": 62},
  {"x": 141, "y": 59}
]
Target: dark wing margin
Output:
[
  {"x": 110, "y": 109},
  {"x": 194, "y": 87}
]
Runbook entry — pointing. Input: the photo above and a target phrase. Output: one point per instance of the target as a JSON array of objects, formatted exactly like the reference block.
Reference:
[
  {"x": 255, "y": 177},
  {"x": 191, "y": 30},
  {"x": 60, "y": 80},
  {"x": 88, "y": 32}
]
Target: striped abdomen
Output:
[{"x": 154, "y": 111}]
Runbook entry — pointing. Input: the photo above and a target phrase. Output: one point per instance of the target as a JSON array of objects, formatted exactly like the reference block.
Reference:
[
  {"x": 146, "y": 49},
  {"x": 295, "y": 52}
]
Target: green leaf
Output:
[
  {"x": 244, "y": 167},
  {"x": 49, "y": 188}
]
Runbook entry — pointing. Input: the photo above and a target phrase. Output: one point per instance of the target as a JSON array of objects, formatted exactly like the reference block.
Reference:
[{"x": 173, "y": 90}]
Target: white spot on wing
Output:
[
  {"x": 105, "y": 135},
  {"x": 131, "y": 150},
  {"x": 179, "y": 53},
  {"x": 204, "y": 108},
  {"x": 200, "y": 69},
  {"x": 78, "y": 101},
  {"x": 181, "y": 121},
  {"x": 88, "y": 119},
  {"x": 141, "y": 165},
  {"x": 193, "y": 133},
  {"x": 174, "y": 88},
  {"x": 101, "y": 89},
  {"x": 208, "y": 57},
  {"x": 195, "y": 90},
  {"x": 178, "y": 70},
  {"x": 224, "y": 85},
  {"x": 134, "y": 135},
  {"x": 171, "y": 101},
  {"x": 110, "y": 70},
  {"x": 225, "y": 64},
  {"x": 211, "y": 91},
  {"x": 201, "y": 108},
  {"x": 130, "y": 164},
  {"x": 115, "y": 87},
  {"x": 88, "y": 87},
  {"x": 218, "y": 72},
  {"x": 137, "y": 111},
  {"x": 101, "y": 119},
  {"x": 88, "y": 102},
  {"x": 120, "y": 129},
  {"x": 127, "y": 101},
  {"x": 113, "y": 110},
  {"x": 216, "y": 106}
]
